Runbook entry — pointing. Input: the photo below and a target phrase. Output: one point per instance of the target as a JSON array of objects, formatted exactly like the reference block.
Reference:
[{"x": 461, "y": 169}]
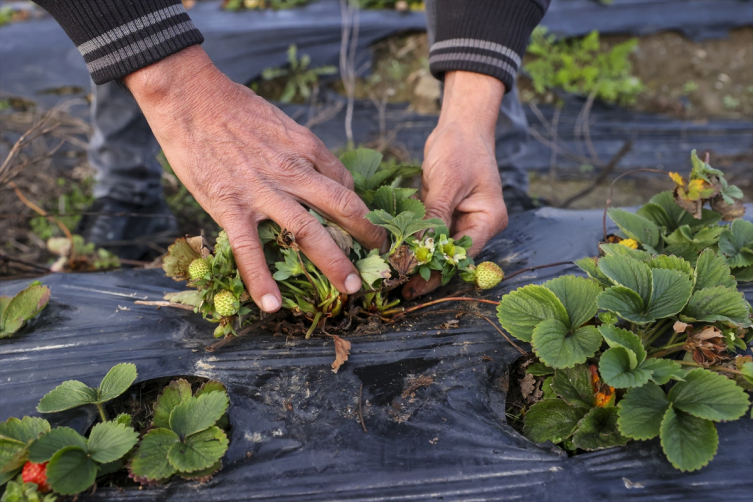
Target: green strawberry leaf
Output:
[
  {"x": 199, "y": 451},
  {"x": 618, "y": 337},
  {"x": 641, "y": 411},
  {"x": 619, "y": 249},
  {"x": 373, "y": 268},
  {"x": 670, "y": 263},
  {"x": 172, "y": 395},
  {"x": 521, "y": 310},
  {"x": 363, "y": 162},
  {"x": 671, "y": 291},
  {"x": 718, "y": 304},
  {"x": 615, "y": 369},
  {"x": 560, "y": 347},
  {"x": 574, "y": 386},
  {"x": 47, "y": 445},
  {"x": 657, "y": 214},
  {"x": 663, "y": 370},
  {"x": 539, "y": 369},
  {"x": 736, "y": 243},
  {"x": 625, "y": 303},
  {"x": 546, "y": 388},
  {"x": 712, "y": 270},
  {"x": 551, "y": 420},
  {"x": 71, "y": 471},
  {"x": 636, "y": 227},
  {"x": 709, "y": 395},
  {"x": 22, "y": 307},
  {"x": 198, "y": 413},
  {"x": 578, "y": 296},
  {"x": 598, "y": 430},
  {"x": 588, "y": 265},
  {"x": 150, "y": 461},
  {"x": 15, "y": 436},
  {"x": 210, "y": 386},
  {"x": 116, "y": 381},
  {"x": 67, "y": 395},
  {"x": 628, "y": 272},
  {"x": 202, "y": 474},
  {"x": 678, "y": 216},
  {"x": 743, "y": 274},
  {"x": 109, "y": 441},
  {"x": 688, "y": 442}
]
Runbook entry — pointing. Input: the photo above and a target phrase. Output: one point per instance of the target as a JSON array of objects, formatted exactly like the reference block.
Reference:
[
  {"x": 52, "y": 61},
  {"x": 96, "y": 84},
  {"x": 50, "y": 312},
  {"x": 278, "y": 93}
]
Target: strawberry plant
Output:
[
  {"x": 652, "y": 342},
  {"x": 417, "y": 246},
  {"x": 186, "y": 438},
  {"x": 14, "y": 312}
]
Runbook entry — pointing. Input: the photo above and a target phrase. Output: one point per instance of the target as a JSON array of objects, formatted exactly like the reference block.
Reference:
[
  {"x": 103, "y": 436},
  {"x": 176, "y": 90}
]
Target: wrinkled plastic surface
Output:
[{"x": 449, "y": 441}]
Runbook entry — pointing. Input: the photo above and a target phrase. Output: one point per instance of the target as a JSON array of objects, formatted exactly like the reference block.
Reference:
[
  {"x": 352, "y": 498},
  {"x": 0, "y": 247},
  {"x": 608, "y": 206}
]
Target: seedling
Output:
[{"x": 301, "y": 80}]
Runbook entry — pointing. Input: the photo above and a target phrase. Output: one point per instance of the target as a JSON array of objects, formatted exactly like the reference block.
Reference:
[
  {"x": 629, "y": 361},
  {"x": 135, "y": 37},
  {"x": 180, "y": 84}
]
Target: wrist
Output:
[{"x": 473, "y": 100}]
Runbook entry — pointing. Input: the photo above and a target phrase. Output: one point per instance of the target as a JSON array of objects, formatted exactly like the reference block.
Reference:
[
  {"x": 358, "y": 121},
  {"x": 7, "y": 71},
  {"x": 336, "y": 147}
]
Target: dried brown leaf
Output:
[
  {"x": 729, "y": 212},
  {"x": 681, "y": 327},
  {"x": 527, "y": 385},
  {"x": 342, "y": 238},
  {"x": 342, "y": 351},
  {"x": 403, "y": 261}
]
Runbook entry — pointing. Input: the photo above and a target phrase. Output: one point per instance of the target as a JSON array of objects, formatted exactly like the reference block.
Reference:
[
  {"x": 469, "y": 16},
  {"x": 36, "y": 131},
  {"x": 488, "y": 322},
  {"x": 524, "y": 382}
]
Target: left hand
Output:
[{"x": 461, "y": 183}]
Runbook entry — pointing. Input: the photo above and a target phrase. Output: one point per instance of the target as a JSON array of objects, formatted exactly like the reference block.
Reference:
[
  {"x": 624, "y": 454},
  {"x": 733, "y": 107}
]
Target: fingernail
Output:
[
  {"x": 353, "y": 284},
  {"x": 269, "y": 303}
]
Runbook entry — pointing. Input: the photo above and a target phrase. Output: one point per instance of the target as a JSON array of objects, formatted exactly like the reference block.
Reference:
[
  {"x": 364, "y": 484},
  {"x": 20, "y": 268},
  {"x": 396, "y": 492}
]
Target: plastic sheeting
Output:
[{"x": 447, "y": 442}]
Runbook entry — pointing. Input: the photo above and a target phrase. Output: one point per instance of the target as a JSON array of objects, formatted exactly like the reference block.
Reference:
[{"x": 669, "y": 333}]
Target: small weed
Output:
[{"x": 297, "y": 80}]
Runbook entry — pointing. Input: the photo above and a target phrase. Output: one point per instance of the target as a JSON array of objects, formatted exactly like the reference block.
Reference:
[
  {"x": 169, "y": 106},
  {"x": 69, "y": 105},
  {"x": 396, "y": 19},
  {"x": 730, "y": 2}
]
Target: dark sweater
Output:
[{"x": 118, "y": 37}]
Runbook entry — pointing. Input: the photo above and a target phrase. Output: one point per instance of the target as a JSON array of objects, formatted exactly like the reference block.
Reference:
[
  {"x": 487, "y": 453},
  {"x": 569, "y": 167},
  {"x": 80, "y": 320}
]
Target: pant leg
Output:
[
  {"x": 123, "y": 149},
  {"x": 511, "y": 134}
]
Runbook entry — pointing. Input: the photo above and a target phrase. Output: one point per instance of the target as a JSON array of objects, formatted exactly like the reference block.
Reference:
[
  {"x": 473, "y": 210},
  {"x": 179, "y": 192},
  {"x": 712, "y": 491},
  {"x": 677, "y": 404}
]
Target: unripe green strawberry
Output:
[
  {"x": 488, "y": 275},
  {"x": 198, "y": 268},
  {"x": 223, "y": 303}
]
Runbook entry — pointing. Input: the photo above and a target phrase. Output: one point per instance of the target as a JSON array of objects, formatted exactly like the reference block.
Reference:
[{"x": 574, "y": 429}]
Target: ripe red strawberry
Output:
[{"x": 36, "y": 473}]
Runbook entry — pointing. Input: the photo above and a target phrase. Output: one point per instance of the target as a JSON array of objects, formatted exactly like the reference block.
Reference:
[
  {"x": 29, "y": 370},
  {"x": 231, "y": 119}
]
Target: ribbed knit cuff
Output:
[
  {"x": 484, "y": 36},
  {"x": 118, "y": 37}
]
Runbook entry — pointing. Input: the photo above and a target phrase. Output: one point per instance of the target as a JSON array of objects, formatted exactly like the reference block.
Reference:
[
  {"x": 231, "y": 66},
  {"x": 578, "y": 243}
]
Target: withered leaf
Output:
[
  {"x": 286, "y": 238},
  {"x": 680, "y": 327},
  {"x": 527, "y": 385},
  {"x": 342, "y": 238},
  {"x": 179, "y": 256},
  {"x": 403, "y": 261},
  {"x": 707, "y": 346},
  {"x": 729, "y": 212},
  {"x": 691, "y": 206},
  {"x": 342, "y": 351}
]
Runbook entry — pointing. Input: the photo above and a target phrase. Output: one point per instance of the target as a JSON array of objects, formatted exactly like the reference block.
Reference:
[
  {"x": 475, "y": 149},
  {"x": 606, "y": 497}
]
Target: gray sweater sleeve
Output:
[
  {"x": 484, "y": 36},
  {"x": 118, "y": 37}
]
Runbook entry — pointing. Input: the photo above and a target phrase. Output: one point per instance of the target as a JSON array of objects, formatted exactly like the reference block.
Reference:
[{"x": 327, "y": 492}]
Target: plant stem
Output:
[
  {"x": 314, "y": 324},
  {"x": 102, "y": 413},
  {"x": 661, "y": 353},
  {"x": 666, "y": 347},
  {"x": 713, "y": 368},
  {"x": 441, "y": 300},
  {"x": 658, "y": 330}
]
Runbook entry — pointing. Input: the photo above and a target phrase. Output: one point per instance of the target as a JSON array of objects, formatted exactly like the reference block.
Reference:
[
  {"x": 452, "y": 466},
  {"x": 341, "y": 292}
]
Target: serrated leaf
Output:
[
  {"x": 198, "y": 413},
  {"x": 67, "y": 395},
  {"x": 625, "y": 303},
  {"x": 618, "y": 337},
  {"x": 574, "y": 386},
  {"x": 670, "y": 292},
  {"x": 362, "y": 161},
  {"x": 521, "y": 310},
  {"x": 47, "y": 445},
  {"x": 663, "y": 370},
  {"x": 670, "y": 263},
  {"x": 718, "y": 304},
  {"x": 743, "y": 274},
  {"x": 641, "y": 411},
  {"x": 656, "y": 213},
  {"x": 109, "y": 441},
  {"x": 373, "y": 268},
  {"x": 150, "y": 461},
  {"x": 620, "y": 250},
  {"x": 559, "y": 347},
  {"x": 628, "y": 272},
  {"x": 174, "y": 393},
  {"x": 116, "y": 381},
  {"x": 71, "y": 471},
  {"x": 615, "y": 369},
  {"x": 588, "y": 265},
  {"x": 191, "y": 297},
  {"x": 598, "y": 430},
  {"x": 578, "y": 296},
  {"x": 418, "y": 225},
  {"x": 210, "y": 386},
  {"x": 737, "y": 243},
  {"x": 15, "y": 436},
  {"x": 709, "y": 395},
  {"x": 688, "y": 442},
  {"x": 712, "y": 270},
  {"x": 22, "y": 307},
  {"x": 199, "y": 451},
  {"x": 539, "y": 369},
  {"x": 551, "y": 420},
  {"x": 203, "y": 475},
  {"x": 636, "y": 227}
]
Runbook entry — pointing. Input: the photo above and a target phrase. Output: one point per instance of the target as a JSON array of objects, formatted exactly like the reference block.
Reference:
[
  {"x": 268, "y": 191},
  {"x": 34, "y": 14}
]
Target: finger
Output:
[
  {"x": 331, "y": 167},
  {"x": 345, "y": 208},
  {"x": 318, "y": 246},
  {"x": 480, "y": 220},
  {"x": 249, "y": 257},
  {"x": 440, "y": 203},
  {"x": 417, "y": 286}
]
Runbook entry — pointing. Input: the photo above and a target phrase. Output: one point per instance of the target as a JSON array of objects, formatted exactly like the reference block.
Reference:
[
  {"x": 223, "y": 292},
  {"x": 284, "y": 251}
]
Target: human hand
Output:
[
  {"x": 245, "y": 161},
  {"x": 461, "y": 183}
]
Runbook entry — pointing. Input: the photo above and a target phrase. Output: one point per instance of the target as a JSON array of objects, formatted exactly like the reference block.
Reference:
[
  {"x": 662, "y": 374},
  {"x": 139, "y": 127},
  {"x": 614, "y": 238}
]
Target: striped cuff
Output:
[
  {"x": 118, "y": 37},
  {"x": 484, "y": 36}
]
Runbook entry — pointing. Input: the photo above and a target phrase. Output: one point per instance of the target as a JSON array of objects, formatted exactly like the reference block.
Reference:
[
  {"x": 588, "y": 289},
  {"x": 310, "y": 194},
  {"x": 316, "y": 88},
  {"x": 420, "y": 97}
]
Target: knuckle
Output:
[
  {"x": 347, "y": 204},
  {"x": 304, "y": 226}
]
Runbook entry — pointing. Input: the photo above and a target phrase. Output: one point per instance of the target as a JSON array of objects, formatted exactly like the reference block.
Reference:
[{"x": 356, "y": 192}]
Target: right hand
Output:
[{"x": 245, "y": 161}]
